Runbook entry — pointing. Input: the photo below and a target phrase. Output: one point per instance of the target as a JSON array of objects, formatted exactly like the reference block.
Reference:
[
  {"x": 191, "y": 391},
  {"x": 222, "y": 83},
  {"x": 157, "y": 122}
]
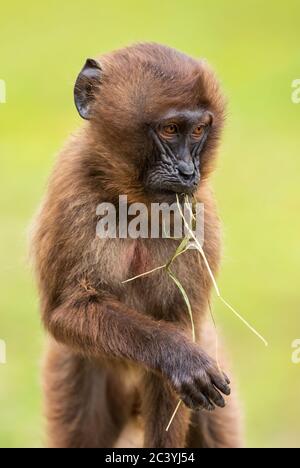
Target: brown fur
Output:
[{"x": 119, "y": 348}]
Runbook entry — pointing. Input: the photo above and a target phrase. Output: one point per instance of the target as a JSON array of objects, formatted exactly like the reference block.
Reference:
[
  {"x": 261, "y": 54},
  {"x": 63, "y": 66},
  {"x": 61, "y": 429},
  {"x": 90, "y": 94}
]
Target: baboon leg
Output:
[
  {"x": 82, "y": 411},
  {"x": 158, "y": 405}
]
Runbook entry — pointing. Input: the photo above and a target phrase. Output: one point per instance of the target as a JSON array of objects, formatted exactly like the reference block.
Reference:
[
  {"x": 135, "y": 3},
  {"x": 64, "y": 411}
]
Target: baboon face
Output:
[
  {"x": 157, "y": 110},
  {"x": 179, "y": 138}
]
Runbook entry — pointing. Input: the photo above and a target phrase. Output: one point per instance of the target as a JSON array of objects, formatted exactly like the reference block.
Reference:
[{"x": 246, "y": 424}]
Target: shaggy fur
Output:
[{"x": 123, "y": 352}]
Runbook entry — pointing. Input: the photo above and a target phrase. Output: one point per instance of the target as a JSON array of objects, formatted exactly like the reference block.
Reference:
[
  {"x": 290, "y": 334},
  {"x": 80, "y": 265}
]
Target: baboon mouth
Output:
[{"x": 173, "y": 189}]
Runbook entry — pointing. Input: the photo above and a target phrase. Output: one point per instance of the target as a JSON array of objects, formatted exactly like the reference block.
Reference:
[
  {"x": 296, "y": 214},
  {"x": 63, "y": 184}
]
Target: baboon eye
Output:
[
  {"x": 198, "y": 131},
  {"x": 169, "y": 130}
]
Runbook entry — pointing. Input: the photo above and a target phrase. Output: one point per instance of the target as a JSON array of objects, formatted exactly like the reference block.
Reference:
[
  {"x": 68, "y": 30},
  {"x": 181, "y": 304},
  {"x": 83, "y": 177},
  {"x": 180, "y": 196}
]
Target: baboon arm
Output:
[{"x": 96, "y": 325}]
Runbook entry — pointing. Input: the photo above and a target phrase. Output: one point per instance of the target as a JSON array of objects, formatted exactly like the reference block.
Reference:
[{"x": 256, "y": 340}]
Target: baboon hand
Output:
[{"x": 195, "y": 377}]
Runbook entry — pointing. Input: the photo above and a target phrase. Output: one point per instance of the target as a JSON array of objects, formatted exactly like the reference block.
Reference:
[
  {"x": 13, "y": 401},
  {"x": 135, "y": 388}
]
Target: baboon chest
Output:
[{"x": 143, "y": 262}]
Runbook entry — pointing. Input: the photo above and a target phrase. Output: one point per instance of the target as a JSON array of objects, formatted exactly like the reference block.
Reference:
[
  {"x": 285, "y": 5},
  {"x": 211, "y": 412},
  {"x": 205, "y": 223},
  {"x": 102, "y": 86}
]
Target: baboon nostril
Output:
[{"x": 185, "y": 168}]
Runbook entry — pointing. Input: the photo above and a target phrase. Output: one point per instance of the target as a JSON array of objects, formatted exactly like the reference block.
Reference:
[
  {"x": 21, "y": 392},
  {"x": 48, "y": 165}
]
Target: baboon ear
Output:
[{"x": 86, "y": 86}]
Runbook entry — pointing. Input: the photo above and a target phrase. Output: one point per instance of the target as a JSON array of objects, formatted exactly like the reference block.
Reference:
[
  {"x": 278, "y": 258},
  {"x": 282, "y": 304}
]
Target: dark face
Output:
[{"x": 178, "y": 138}]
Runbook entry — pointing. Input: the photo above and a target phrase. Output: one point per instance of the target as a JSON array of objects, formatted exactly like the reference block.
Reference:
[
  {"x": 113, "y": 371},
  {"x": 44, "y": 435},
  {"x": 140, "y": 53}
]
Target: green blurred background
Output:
[{"x": 255, "y": 49}]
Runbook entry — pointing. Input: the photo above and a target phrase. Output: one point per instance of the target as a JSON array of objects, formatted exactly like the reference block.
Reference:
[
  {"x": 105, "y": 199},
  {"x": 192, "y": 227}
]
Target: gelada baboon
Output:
[{"x": 121, "y": 355}]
